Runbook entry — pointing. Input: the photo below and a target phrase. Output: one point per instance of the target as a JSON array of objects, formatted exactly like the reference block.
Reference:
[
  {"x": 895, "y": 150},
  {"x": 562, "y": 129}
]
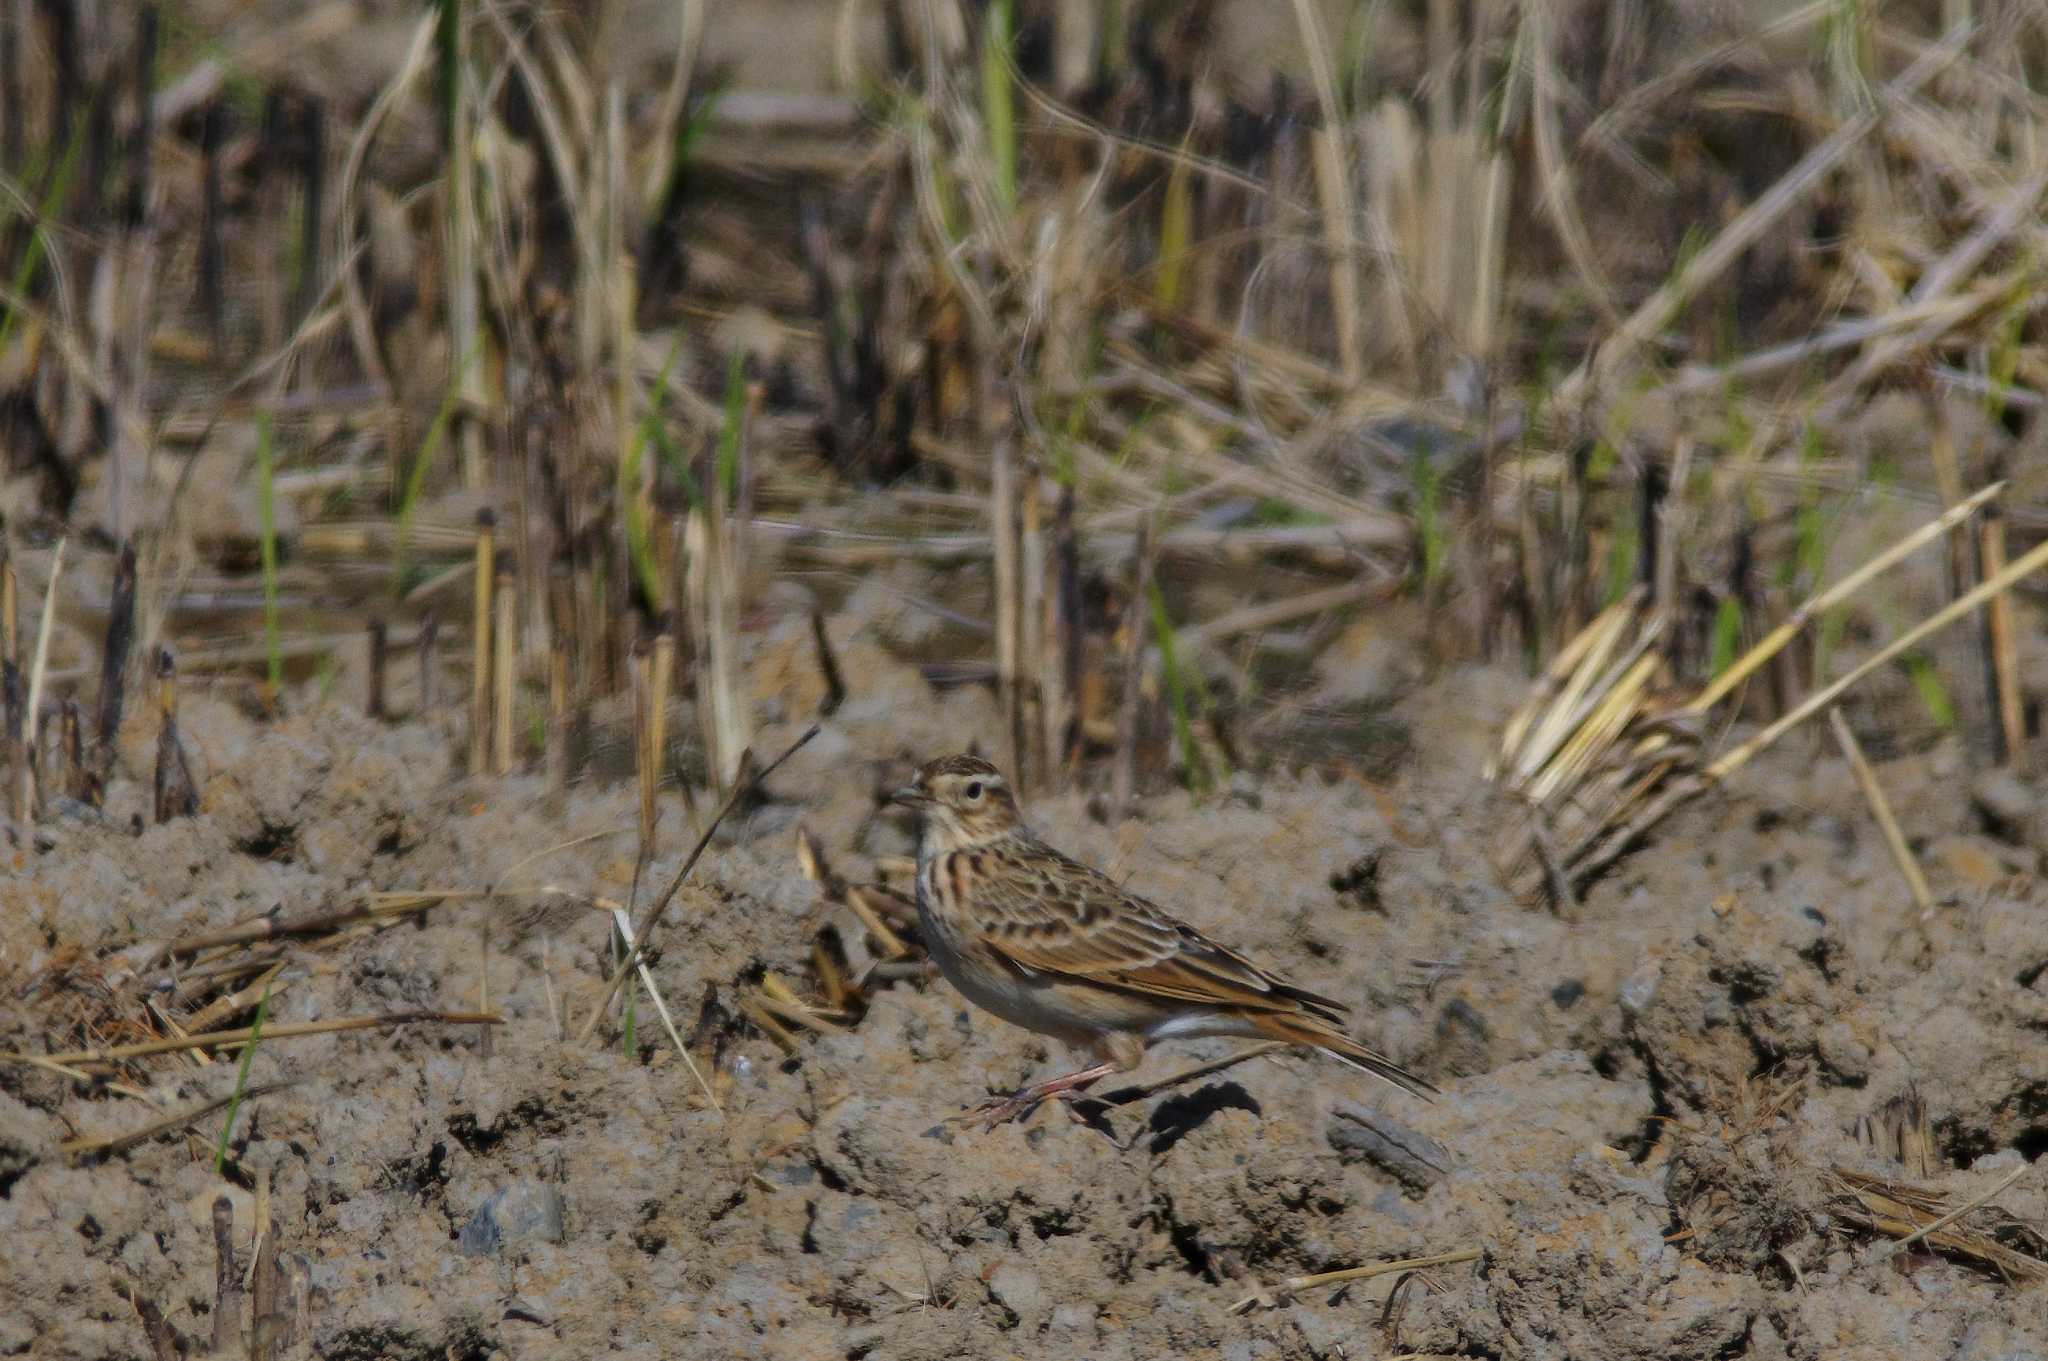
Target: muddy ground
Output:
[{"x": 1642, "y": 1103}]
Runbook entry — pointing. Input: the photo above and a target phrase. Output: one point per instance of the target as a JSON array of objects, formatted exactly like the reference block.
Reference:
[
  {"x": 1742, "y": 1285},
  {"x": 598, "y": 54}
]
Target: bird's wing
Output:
[{"x": 1055, "y": 915}]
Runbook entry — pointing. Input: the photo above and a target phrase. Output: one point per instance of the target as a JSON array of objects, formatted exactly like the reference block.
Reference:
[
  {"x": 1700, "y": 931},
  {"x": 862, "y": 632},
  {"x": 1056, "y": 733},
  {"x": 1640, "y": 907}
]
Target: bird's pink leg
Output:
[{"x": 1022, "y": 1102}]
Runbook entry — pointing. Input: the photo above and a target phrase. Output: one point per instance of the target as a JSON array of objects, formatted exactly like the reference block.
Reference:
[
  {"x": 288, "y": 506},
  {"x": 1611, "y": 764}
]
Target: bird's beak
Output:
[{"x": 910, "y": 796}]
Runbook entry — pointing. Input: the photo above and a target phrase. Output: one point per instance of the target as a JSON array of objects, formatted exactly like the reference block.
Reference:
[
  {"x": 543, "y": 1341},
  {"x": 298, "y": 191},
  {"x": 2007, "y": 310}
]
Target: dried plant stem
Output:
[
  {"x": 1002, "y": 510},
  {"x": 646, "y": 766},
  {"x": 558, "y": 721},
  {"x": 1985, "y": 1198},
  {"x": 1273, "y": 613},
  {"x": 379, "y": 652},
  {"x": 2030, "y": 563},
  {"x": 430, "y": 671},
  {"x": 1813, "y": 608},
  {"x": 1750, "y": 224},
  {"x": 175, "y": 795},
  {"x": 465, "y": 333},
  {"x": 2005, "y": 665},
  {"x": 25, "y": 799},
  {"x": 1124, "y": 777},
  {"x": 505, "y": 642},
  {"x": 1031, "y": 624},
  {"x": 625, "y": 925},
  {"x": 10, "y": 603},
  {"x": 1333, "y": 191},
  {"x": 1267, "y": 1299},
  {"x": 860, "y": 904},
  {"x": 660, "y": 679},
  {"x": 114, "y": 663},
  {"x": 715, "y": 617},
  {"x": 116, "y": 1143},
  {"x": 214, "y": 1038},
  {"x": 1881, "y": 809},
  {"x": 480, "y": 644},
  {"x": 1060, "y": 642},
  {"x": 654, "y": 910}
]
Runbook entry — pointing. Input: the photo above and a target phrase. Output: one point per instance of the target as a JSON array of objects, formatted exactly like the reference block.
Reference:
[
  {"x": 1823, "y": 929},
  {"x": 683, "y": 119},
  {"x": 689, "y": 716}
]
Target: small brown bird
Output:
[{"x": 1051, "y": 945}]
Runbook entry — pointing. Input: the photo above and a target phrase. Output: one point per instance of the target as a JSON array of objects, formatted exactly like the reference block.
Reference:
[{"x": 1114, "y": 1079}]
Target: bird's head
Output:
[{"x": 964, "y": 800}]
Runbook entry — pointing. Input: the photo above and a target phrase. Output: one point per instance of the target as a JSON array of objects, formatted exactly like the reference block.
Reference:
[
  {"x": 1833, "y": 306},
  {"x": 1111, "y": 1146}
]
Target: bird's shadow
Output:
[{"x": 1174, "y": 1118}]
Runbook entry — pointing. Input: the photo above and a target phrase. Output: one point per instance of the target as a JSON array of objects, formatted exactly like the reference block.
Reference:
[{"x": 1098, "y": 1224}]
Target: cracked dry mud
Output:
[{"x": 1640, "y": 1104}]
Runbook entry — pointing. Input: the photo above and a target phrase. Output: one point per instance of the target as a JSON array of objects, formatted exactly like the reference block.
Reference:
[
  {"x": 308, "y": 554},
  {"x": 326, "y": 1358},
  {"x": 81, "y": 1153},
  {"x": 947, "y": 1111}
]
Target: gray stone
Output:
[{"x": 521, "y": 1212}]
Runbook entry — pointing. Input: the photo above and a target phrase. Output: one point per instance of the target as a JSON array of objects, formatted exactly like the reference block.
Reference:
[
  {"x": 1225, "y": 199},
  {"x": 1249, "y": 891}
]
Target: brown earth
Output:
[{"x": 1641, "y": 1103}]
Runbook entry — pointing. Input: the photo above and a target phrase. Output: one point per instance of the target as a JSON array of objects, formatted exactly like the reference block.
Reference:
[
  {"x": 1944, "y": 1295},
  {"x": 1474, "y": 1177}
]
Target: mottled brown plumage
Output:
[{"x": 1049, "y": 944}]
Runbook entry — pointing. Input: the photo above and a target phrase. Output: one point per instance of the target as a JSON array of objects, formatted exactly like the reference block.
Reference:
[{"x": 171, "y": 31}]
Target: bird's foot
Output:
[{"x": 1067, "y": 1090}]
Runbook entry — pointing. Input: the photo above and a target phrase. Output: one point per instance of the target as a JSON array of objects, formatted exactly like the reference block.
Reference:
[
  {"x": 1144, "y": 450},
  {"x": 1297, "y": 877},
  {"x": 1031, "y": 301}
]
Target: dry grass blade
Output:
[
  {"x": 625, "y": 927},
  {"x": 31, "y": 742},
  {"x": 1912, "y": 1214},
  {"x": 109, "y": 1144},
  {"x": 1724, "y": 684},
  {"x": 2025, "y": 566},
  {"x": 1268, "y": 1299},
  {"x": 1750, "y": 224},
  {"x": 1881, "y": 809},
  {"x": 1601, "y": 752},
  {"x": 654, "y": 910},
  {"x": 216, "y": 1038}
]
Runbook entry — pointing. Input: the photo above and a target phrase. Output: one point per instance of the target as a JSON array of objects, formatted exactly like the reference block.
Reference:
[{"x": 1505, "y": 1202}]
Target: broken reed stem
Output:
[
  {"x": 25, "y": 810},
  {"x": 1124, "y": 778},
  {"x": 2032, "y": 562},
  {"x": 558, "y": 721},
  {"x": 828, "y": 666},
  {"x": 480, "y": 639},
  {"x": 381, "y": 905},
  {"x": 652, "y": 915},
  {"x": 114, "y": 661},
  {"x": 1059, "y": 650},
  {"x": 380, "y": 639},
  {"x": 644, "y": 768},
  {"x": 10, "y": 598},
  {"x": 1819, "y": 604},
  {"x": 1881, "y": 809},
  {"x": 213, "y": 1038},
  {"x": 660, "y": 679},
  {"x": 1002, "y": 510},
  {"x": 625, "y": 927},
  {"x": 1948, "y": 478},
  {"x": 1333, "y": 192},
  {"x": 429, "y": 643},
  {"x": 714, "y": 593},
  {"x": 227, "y": 1284},
  {"x": 116, "y": 1143},
  {"x": 1267, "y": 1299},
  {"x": 465, "y": 335},
  {"x": 2005, "y": 666},
  {"x": 176, "y": 796},
  {"x": 1031, "y": 640},
  {"x": 71, "y": 742},
  {"x": 505, "y": 644},
  {"x": 1975, "y": 1202}
]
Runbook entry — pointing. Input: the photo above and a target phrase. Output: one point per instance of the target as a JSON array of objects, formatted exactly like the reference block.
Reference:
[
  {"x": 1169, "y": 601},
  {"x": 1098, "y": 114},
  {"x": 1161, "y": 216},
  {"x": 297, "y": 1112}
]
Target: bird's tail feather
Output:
[{"x": 1298, "y": 1029}]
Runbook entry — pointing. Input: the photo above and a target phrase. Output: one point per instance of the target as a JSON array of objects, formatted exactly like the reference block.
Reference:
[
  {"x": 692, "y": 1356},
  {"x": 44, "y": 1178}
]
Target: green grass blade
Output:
[
  {"x": 227, "y": 1126},
  {"x": 999, "y": 106},
  {"x": 1200, "y": 777},
  {"x": 1727, "y": 636},
  {"x": 416, "y": 478},
  {"x": 32, "y": 254}
]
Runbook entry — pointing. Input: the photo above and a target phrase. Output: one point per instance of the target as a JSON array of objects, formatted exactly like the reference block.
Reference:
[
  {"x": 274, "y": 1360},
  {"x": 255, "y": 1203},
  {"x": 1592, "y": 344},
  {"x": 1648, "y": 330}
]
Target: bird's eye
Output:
[{"x": 973, "y": 791}]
